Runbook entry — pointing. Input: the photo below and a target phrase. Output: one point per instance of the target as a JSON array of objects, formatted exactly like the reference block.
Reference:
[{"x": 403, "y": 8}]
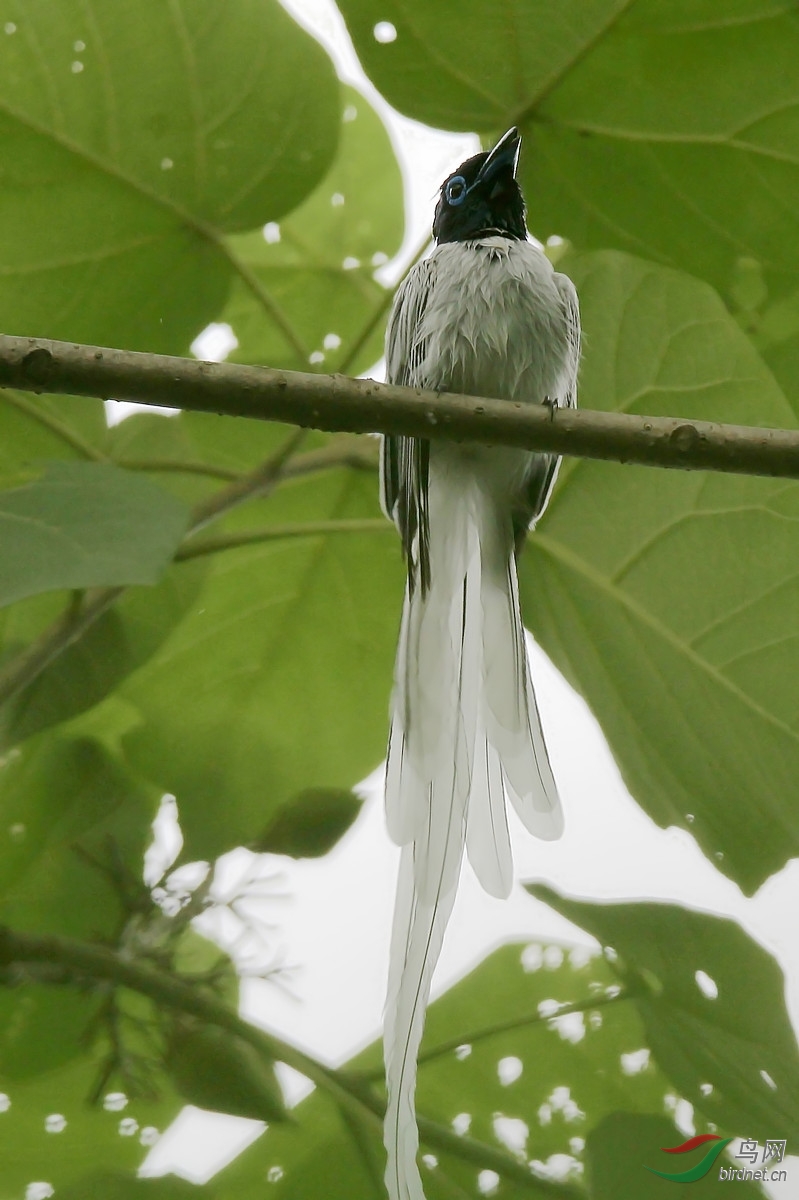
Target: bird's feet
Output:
[{"x": 551, "y": 402}]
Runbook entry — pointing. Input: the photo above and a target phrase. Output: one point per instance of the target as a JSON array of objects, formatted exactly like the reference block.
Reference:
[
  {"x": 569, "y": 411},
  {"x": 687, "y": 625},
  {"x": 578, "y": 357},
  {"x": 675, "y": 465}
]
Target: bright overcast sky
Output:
[{"x": 333, "y": 924}]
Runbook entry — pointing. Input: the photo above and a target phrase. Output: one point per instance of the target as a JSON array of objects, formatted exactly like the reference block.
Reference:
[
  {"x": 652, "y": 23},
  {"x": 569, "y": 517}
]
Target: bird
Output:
[{"x": 485, "y": 314}]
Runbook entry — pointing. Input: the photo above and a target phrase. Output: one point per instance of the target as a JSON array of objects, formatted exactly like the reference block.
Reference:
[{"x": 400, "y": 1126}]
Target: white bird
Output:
[{"x": 486, "y": 315}]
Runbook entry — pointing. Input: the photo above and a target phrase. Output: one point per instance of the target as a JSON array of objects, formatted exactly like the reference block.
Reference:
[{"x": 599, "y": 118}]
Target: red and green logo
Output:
[{"x": 702, "y": 1167}]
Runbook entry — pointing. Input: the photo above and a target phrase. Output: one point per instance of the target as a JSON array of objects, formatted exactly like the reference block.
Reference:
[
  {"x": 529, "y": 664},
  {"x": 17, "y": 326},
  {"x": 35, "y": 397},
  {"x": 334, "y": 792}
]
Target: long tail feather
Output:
[{"x": 464, "y": 732}]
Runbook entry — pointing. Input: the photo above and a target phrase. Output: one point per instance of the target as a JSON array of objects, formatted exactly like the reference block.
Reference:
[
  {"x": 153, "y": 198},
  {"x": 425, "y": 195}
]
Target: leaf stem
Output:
[
  {"x": 271, "y": 533},
  {"x": 178, "y": 466},
  {"x": 536, "y": 1018},
  {"x": 523, "y": 1022},
  {"x": 251, "y": 281}
]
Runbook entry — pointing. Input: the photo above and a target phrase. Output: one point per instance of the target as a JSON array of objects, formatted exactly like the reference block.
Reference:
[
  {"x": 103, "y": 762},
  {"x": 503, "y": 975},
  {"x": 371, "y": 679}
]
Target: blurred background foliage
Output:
[{"x": 165, "y": 166}]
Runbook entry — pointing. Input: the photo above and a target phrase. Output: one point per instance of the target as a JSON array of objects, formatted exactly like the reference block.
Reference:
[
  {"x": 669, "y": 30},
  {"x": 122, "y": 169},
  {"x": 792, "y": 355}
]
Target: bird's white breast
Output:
[{"x": 494, "y": 324}]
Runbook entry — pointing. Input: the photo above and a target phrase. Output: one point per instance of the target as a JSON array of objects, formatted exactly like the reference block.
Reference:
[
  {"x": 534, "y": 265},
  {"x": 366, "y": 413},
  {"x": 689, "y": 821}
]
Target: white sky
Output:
[{"x": 333, "y": 924}]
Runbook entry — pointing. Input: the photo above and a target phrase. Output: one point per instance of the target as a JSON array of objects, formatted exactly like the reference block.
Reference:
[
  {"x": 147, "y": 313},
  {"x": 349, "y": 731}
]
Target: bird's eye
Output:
[{"x": 456, "y": 190}]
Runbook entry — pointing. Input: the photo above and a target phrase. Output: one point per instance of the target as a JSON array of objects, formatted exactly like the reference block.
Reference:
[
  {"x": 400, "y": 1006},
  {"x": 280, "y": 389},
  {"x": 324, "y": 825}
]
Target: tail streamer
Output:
[{"x": 465, "y": 733}]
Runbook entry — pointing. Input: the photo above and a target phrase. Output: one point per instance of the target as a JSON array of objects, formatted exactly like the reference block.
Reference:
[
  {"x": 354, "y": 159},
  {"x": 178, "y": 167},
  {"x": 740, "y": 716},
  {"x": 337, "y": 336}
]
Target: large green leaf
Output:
[
  {"x": 278, "y": 680},
  {"x": 113, "y": 1185},
  {"x": 134, "y": 136},
  {"x": 123, "y": 638},
  {"x": 51, "y": 1133},
  {"x": 86, "y": 525},
  {"x": 522, "y": 1082},
  {"x": 59, "y": 797},
  {"x": 668, "y": 598},
  {"x": 469, "y": 65},
  {"x": 34, "y": 429},
  {"x": 713, "y": 1009},
  {"x": 317, "y": 266},
  {"x": 666, "y": 129}
]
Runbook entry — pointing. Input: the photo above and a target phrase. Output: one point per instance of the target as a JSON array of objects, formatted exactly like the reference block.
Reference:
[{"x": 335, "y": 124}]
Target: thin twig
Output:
[
  {"x": 256, "y": 483},
  {"x": 23, "y": 668},
  {"x": 169, "y": 990}
]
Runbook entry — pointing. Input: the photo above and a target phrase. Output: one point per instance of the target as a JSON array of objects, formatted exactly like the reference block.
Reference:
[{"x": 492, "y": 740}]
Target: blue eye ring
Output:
[{"x": 456, "y": 190}]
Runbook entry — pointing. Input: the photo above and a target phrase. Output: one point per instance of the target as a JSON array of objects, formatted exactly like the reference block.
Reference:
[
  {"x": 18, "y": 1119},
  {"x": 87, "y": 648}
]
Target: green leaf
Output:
[
  {"x": 240, "y": 444},
  {"x": 669, "y": 598},
  {"x": 663, "y": 129},
  {"x": 111, "y": 1185},
  {"x": 278, "y": 679},
  {"x": 104, "y": 1139},
  {"x": 309, "y": 824},
  {"x": 449, "y": 65},
  {"x": 622, "y": 1144},
  {"x": 713, "y": 1009},
  {"x": 42, "y": 1027},
  {"x": 529, "y": 1083},
  {"x": 133, "y": 138},
  {"x": 316, "y": 266},
  {"x": 36, "y": 428},
  {"x": 58, "y": 797},
  {"x": 216, "y": 1070},
  {"x": 128, "y": 633},
  {"x": 85, "y": 525},
  {"x": 314, "y": 1162},
  {"x": 123, "y": 638}
]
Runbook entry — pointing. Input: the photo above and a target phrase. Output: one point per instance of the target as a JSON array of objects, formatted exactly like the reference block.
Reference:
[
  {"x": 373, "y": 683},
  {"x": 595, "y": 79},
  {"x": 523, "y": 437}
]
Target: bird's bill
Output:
[{"x": 504, "y": 156}]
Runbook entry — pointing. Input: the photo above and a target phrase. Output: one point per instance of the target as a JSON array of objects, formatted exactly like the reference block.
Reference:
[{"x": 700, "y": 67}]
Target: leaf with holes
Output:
[
  {"x": 524, "y": 1082},
  {"x": 623, "y": 1144},
  {"x": 669, "y": 598},
  {"x": 135, "y": 135},
  {"x": 324, "y": 306},
  {"x": 85, "y": 525},
  {"x": 50, "y": 1133},
  {"x": 664, "y": 129},
  {"x": 713, "y": 1009}
]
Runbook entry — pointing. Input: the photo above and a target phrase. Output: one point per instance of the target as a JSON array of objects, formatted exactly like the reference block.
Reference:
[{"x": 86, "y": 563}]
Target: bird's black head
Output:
[{"x": 483, "y": 196}]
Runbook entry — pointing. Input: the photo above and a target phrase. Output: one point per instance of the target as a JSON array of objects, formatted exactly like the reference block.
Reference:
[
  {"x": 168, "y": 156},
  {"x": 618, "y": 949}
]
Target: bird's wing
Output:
[
  {"x": 544, "y": 469},
  {"x": 404, "y": 461}
]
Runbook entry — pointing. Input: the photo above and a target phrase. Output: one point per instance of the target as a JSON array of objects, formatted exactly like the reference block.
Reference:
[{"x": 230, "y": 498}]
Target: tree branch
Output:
[
  {"x": 93, "y": 961},
  {"x": 335, "y": 402}
]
